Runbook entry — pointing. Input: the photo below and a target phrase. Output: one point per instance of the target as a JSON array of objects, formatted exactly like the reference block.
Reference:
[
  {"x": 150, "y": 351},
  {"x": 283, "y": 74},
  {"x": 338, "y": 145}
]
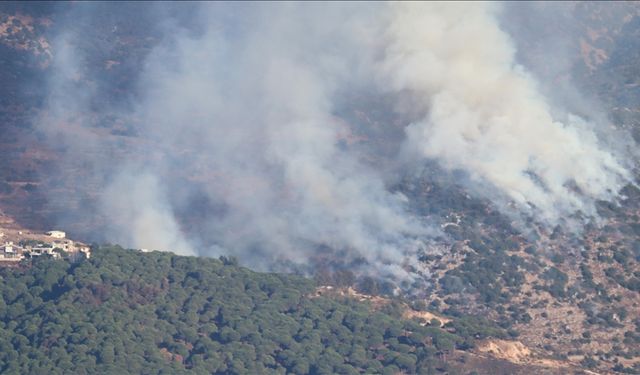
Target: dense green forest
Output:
[{"x": 124, "y": 311}]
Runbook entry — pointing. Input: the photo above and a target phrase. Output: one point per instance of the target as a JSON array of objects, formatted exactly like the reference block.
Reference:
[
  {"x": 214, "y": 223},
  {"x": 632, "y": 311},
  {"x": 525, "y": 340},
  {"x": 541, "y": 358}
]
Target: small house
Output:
[
  {"x": 56, "y": 234},
  {"x": 9, "y": 251}
]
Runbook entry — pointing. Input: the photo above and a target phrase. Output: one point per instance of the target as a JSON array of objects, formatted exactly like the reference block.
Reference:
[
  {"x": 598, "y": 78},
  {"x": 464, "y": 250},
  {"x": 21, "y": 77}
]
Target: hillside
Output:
[
  {"x": 513, "y": 295},
  {"x": 575, "y": 298},
  {"x": 125, "y": 311}
]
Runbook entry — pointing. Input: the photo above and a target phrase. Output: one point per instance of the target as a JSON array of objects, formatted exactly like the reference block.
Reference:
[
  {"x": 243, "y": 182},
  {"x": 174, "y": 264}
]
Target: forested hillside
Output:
[
  {"x": 117, "y": 115},
  {"x": 124, "y": 311}
]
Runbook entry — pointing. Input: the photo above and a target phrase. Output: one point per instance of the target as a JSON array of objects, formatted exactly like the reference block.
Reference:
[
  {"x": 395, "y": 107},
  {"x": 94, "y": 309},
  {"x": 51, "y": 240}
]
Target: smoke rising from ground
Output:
[
  {"x": 484, "y": 114},
  {"x": 146, "y": 220},
  {"x": 243, "y": 107}
]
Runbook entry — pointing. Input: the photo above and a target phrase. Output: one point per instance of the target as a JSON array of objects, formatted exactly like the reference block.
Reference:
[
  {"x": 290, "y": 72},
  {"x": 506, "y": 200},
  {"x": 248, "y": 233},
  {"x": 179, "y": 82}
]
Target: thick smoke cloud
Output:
[
  {"x": 259, "y": 112},
  {"x": 484, "y": 114},
  {"x": 241, "y": 108}
]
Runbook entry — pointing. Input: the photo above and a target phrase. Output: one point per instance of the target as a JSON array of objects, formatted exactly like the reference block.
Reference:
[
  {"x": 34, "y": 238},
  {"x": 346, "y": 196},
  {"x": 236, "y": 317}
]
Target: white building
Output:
[
  {"x": 56, "y": 234},
  {"x": 86, "y": 251},
  {"x": 43, "y": 250},
  {"x": 9, "y": 251},
  {"x": 8, "y": 247},
  {"x": 64, "y": 245}
]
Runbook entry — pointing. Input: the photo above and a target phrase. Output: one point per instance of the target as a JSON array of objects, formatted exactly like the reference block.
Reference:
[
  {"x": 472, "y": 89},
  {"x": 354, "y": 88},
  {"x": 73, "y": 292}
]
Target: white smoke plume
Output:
[
  {"x": 244, "y": 110},
  {"x": 258, "y": 109},
  {"x": 483, "y": 113},
  {"x": 140, "y": 215}
]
